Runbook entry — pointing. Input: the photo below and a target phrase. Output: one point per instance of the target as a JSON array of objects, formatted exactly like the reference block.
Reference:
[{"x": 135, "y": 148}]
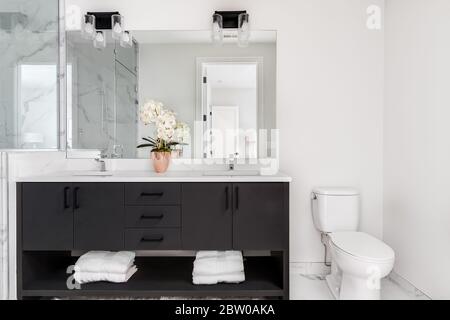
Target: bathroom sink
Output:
[
  {"x": 229, "y": 173},
  {"x": 92, "y": 174}
]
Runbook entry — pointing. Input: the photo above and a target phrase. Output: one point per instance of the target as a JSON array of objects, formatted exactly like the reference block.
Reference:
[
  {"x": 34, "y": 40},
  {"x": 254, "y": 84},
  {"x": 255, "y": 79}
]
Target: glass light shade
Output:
[
  {"x": 217, "y": 29},
  {"x": 243, "y": 30},
  {"x": 126, "y": 40},
  {"x": 117, "y": 22},
  {"x": 88, "y": 27},
  {"x": 100, "y": 40}
]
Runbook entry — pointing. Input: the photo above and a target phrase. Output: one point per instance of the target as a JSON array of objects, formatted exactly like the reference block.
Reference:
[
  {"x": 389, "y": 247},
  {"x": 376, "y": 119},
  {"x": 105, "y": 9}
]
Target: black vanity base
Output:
[{"x": 56, "y": 220}]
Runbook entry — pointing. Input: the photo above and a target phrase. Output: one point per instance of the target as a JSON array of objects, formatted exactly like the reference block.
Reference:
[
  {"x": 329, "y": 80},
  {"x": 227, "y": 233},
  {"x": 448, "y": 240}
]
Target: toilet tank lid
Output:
[{"x": 336, "y": 191}]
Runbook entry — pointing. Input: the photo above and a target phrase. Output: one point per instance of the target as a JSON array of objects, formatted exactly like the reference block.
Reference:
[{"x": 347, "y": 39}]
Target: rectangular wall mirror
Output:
[{"x": 223, "y": 97}]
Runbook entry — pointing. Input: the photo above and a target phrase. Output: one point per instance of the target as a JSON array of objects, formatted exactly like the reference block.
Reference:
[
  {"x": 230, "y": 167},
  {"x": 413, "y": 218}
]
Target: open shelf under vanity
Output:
[{"x": 45, "y": 275}]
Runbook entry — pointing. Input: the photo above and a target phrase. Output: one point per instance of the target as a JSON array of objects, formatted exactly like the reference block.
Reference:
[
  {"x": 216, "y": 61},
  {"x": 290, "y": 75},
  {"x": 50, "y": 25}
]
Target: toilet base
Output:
[
  {"x": 351, "y": 288},
  {"x": 359, "y": 288},
  {"x": 333, "y": 285}
]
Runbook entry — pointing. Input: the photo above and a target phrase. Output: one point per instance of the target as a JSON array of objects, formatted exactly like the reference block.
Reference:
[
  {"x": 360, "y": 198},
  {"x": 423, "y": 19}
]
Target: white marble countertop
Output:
[{"x": 149, "y": 176}]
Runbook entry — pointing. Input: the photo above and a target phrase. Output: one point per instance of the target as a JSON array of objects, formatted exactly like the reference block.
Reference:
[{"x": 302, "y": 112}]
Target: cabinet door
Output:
[
  {"x": 98, "y": 216},
  {"x": 206, "y": 217},
  {"x": 47, "y": 216},
  {"x": 260, "y": 217}
]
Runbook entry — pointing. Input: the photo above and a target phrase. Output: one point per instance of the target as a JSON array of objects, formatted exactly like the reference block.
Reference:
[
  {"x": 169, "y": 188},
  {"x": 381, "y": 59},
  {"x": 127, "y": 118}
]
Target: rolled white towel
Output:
[
  {"x": 235, "y": 277},
  {"x": 105, "y": 261},
  {"x": 86, "y": 277},
  {"x": 218, "y": 265}
]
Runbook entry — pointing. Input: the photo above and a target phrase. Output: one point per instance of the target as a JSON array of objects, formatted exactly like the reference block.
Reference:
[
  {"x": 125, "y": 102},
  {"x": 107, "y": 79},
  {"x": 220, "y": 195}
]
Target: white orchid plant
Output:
[{"x": 169, "y": 132}]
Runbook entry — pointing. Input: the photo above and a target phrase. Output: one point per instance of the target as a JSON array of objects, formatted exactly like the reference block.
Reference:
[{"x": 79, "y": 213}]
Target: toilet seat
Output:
[{"x": 362, "y": 246}]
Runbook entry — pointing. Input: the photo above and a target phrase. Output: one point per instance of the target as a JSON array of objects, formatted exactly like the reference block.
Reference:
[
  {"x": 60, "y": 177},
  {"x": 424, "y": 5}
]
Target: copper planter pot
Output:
[{"x": 161, "y": 161}]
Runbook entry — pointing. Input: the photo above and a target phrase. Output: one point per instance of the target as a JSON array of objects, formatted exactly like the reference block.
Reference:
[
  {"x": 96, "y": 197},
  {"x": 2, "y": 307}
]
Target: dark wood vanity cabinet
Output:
[
  {"x": 98, "y": 216},
  {"x": 260, "y": 215},
  {"x": 239, "y": 216},
  {"x": 47, "y": 216},
  {"x": 69, "y": 216},
  {"x": 207, "y": 216},
  {"x": 56, "y": 220}
]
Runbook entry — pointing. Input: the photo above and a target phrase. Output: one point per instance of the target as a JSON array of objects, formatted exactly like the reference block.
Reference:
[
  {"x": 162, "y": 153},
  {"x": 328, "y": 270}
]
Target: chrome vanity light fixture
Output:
[
  {"x": 235, "y": 22},
  {"x": 96, "y": 22}
]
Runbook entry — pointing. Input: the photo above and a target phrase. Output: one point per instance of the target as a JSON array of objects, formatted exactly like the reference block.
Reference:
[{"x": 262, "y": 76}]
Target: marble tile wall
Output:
[
  {"x": 28, "y": 74},
  {"x": 103, "y": 96}
]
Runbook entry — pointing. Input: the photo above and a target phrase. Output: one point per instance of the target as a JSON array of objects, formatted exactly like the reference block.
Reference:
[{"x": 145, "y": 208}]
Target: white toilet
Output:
[{"x": 358, "y": 260}]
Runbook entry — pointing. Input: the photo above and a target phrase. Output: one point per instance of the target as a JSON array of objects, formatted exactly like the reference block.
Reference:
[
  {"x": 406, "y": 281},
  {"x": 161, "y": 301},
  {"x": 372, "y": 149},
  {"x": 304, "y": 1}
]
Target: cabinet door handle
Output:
[
  {"x": 152, "y": 194},
  {"x": 66, "y": 198},
  {"x": 153, "y": 239},
  {"x": 236, "y": 194},
  {"x": 145, "y": 216},
  {"x": 76, "y": 203},
  {"x": 227, "y": 198}
]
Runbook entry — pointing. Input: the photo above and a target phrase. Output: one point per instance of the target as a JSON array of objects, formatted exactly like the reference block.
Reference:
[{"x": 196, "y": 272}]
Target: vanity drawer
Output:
[
  {"x": 152, "y": 193},
  {"x": 152, "y": 239},
  {"x": 152, "y": 216}
]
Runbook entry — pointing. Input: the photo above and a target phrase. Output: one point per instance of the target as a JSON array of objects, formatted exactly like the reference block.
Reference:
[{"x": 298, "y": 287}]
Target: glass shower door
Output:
[{"x": 28, "y": 74}]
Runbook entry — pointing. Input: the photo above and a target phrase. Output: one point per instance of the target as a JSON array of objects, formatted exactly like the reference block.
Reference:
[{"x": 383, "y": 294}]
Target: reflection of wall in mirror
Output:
[
  {"x": 246, "y": 99},
  {"x": 167, "y": 73}
]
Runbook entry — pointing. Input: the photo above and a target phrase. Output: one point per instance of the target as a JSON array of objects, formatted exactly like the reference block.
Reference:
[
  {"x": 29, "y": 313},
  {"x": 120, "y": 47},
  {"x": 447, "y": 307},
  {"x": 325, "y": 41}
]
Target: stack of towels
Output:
[
  {"x": 105, "y": 266},
  {"x": 212, "y": 267}
]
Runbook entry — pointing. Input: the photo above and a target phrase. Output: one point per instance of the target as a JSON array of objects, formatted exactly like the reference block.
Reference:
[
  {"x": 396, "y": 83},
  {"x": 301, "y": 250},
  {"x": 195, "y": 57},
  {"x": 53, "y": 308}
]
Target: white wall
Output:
[
  {"x": 329, "y": 93},
  {"x": 417, "y": 142}
]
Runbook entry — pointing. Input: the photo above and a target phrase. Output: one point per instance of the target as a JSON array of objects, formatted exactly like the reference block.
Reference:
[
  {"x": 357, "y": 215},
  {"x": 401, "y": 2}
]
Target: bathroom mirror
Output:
[{"x": 223, "y": 96}]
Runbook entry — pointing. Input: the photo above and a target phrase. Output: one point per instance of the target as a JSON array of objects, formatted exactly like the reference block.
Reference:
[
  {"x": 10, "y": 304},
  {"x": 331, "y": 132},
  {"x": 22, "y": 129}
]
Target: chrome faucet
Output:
[
  {"x": 232, "y": 160},
  {"x": 102, "y": 164}
]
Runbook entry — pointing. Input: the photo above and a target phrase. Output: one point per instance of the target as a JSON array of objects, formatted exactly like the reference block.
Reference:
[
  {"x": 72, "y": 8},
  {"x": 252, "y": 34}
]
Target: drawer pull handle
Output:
[
  {"x": 153, "y": 239},
  {"x": 144, "y": 216},
  {"x": 237, "y": 197},
  {"x": 152, "y": 194}
]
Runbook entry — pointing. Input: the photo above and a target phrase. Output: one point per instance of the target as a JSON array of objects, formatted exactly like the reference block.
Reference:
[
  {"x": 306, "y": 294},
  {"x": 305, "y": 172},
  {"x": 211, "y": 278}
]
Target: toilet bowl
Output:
[{"x": 359, "y": 261}]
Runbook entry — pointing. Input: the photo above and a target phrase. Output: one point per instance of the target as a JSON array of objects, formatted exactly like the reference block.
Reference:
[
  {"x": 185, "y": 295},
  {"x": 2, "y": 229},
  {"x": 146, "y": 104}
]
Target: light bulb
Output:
[
  {"x": 117, "y": 22},
  {"x": 88, "y": 30},
  {"x": 126, "y": 40},
  {"x": 217, "y": 29},
  {"x": 100, "y": 40},
  {"x": 243, "y": 30}
]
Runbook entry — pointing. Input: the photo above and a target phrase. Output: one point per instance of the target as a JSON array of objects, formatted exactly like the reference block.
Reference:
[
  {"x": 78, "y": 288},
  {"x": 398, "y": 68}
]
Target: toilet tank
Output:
[{"x": 335, "y": 209}]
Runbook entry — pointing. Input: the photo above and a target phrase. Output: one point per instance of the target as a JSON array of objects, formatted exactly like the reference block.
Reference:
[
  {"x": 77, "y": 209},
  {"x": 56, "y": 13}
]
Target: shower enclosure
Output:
[
  {"x": 28, "y": 74},
  {"x": 102, "y": 93}
]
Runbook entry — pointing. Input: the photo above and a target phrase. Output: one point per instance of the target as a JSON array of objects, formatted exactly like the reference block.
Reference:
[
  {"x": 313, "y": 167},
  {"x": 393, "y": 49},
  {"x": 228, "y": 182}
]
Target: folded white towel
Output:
[
  {"x": 85, "y": 277},
  {"x": 236, "y": 277},
  {"x": 105, "y": 262},
  {"x": 218, "y": 265},
  {"x": 210, "y": 254}
]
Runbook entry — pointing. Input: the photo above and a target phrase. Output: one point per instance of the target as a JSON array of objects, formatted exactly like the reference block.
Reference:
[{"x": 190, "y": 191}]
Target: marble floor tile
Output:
[{"x": 315, "y": 288}]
